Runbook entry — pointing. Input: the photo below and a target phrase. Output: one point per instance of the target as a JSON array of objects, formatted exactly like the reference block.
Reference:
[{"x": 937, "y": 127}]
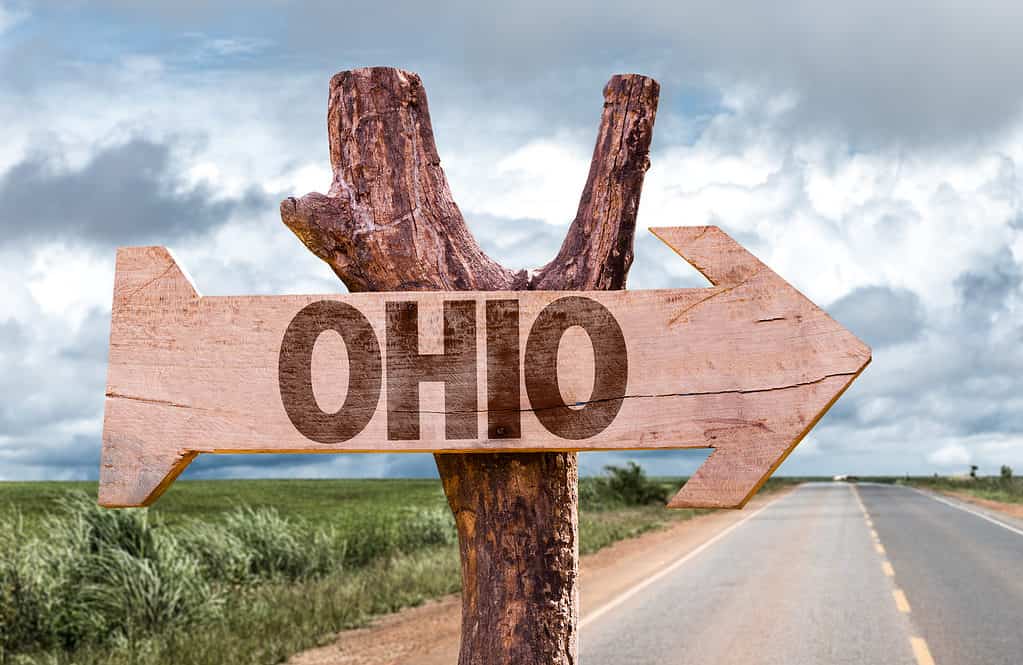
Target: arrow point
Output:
[{"x": 736, "y": 470}]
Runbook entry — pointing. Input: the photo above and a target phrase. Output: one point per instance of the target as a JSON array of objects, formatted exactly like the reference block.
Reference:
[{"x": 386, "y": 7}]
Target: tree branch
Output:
[
  {"x": 597, "y": 252},
  {"x": 389, "y": 222}
]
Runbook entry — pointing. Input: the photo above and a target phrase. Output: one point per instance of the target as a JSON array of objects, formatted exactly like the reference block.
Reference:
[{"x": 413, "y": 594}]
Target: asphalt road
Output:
[{"x": 830, "y": 573}]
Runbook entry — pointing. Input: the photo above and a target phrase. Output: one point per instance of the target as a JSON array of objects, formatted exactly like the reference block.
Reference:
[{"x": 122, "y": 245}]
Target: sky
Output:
[{"x": 869, "y": 152}]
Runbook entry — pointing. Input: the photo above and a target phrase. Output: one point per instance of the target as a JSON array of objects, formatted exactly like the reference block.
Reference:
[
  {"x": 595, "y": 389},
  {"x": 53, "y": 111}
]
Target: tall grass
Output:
[
  {"x": 92, "y": 578},
  {"x": 96, "y": 575}
]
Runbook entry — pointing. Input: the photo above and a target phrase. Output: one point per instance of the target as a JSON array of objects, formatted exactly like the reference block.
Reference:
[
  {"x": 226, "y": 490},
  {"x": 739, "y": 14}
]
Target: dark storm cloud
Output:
[
  {"x": 880, "y": 315},
  {"x": 78, "y": 454},
  {"x": 125, "y": 194},
  {"x": 212, "y": 466},
  {"x": 410, "y": 465},
  {"x": 656, "y": 462},
  {"x": 875, "y": 69}
]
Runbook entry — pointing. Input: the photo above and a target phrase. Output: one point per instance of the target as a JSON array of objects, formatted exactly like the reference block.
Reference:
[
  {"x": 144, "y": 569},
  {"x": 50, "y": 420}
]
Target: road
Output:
[{"x": 830, "y": 573}]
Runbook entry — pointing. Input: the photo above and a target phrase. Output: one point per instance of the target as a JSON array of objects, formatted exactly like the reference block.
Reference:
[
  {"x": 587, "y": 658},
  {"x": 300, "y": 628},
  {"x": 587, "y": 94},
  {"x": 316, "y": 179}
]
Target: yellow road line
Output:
[
  {"x": 859, "y": 500},
  {"x": 920, "y": 650}
]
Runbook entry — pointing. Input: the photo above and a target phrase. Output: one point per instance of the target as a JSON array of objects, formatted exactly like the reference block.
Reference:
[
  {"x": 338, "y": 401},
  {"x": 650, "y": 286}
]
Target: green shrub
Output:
[
  {"x": 87, "y": 528},
  {"x": 96, "y": 575},
  {"x": 135, "y": 596},
  {"x": 621, "y": 487},
  {"x": 1006, "y": 472},
  {"x": 221, "y": 555},
  {"x": 632, "y": 485},
  {"x": 279, "y": 547}
]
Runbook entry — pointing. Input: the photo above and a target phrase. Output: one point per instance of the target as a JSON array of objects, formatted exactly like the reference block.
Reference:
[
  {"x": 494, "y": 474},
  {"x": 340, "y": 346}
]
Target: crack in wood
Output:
[
  {"x": 734, "y": 391},
  {"x": 150, "y": 282},
  {"x": 723, "y": 291},
  {"x": 159, "y": 402}
]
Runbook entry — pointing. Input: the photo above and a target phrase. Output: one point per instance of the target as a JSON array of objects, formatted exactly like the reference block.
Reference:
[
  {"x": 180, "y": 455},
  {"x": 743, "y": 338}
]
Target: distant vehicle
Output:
[{"x": 844, "y": 478}]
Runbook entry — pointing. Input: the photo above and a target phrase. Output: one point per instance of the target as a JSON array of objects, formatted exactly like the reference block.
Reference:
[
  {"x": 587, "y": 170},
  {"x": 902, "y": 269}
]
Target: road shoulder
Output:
[{"x": 1014, "y": 510}]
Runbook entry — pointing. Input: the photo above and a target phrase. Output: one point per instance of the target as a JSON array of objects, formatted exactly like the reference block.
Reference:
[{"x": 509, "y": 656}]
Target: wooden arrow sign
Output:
[{"x": 745, "y": 367}]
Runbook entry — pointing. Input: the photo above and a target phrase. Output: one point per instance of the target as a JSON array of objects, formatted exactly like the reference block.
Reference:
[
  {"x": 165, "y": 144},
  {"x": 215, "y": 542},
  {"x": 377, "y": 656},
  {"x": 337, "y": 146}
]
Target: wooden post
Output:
[{"x": 390, "y": 223}]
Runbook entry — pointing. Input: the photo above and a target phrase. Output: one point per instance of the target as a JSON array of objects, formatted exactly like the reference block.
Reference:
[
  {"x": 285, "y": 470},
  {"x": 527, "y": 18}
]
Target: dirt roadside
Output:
[
  {"x": 1011, "y": 509},
  {"x": 428, "y": 634}
]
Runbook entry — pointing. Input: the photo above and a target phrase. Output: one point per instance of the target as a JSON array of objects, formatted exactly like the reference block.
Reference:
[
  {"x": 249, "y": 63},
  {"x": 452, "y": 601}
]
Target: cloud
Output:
[
  {"x": 516, "y": 243},
  {"x": 124, "y": 194},
  {"x": 948, "y": 396},
  {"x": 984, "y": 290},
  {"x": 951, "y": 455},
  {"x": 53, "y": 377},
  {"x": 880, "y": 315},
  {"x": 875, "y": 71}
]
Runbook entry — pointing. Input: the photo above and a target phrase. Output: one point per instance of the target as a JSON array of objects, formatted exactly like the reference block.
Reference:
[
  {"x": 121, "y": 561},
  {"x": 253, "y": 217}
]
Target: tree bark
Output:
[{"x": 389, "y": 223}]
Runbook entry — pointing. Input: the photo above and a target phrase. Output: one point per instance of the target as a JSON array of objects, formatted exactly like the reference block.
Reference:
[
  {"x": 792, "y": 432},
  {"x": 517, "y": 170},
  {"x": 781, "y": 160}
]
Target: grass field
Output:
[
  {"x": 1006, "y": 490},
  {"x": 320, "y": 501},
  {"x": 266, "y": 567}
]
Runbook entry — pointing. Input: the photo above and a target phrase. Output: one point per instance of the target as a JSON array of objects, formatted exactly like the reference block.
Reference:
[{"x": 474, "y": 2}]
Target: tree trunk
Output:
[{"x": 389, "y": 223}]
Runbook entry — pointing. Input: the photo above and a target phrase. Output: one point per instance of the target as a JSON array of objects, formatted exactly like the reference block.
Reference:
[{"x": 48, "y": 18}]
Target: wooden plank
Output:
[{"x": 745, "y": 367}]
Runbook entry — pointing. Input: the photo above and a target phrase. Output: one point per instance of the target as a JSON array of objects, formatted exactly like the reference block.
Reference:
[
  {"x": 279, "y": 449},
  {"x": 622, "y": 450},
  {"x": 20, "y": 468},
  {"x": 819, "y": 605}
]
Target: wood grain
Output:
[{"x": 745, "y": 367}]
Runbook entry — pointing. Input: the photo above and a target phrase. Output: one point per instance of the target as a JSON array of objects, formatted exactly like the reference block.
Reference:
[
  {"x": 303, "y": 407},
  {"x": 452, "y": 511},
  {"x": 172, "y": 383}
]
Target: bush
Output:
[
  {"x": 621, "y": 486},
  {"x": 221, "y": 555},
  {"x": 86, "y": 527},
  {"x": 632, "y": 485},
  {"x": 96, "y": 575},
  {"x": 1006, "y": 472},
  {"x": 277, "y": 546},
  {"x": 425, "y": 527},
  {"x": 138, "y": 596}
]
